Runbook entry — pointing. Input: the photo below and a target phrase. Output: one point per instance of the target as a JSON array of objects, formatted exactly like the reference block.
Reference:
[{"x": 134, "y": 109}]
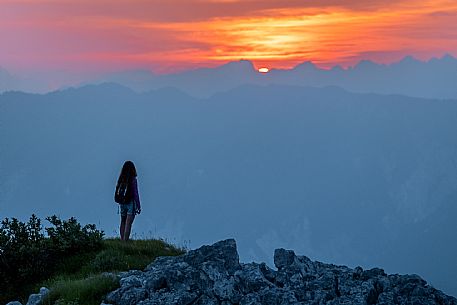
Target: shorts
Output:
[{"x": 127, "y": 209}]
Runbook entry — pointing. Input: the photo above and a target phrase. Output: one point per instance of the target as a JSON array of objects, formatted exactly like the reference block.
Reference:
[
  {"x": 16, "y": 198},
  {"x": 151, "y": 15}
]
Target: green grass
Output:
[
  {"x": 89, "y": 290},
  {"x": 80, "y": 280}
]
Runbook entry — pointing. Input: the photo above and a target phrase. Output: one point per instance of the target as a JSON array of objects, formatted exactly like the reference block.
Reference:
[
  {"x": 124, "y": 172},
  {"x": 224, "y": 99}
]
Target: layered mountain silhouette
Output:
[
  {"x": 436, "y": 78},
  {"x": 355, "y": 179}
]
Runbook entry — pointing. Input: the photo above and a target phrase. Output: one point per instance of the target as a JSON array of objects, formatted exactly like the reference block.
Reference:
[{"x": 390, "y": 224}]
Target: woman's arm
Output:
[{"x": 136, "y": 196}]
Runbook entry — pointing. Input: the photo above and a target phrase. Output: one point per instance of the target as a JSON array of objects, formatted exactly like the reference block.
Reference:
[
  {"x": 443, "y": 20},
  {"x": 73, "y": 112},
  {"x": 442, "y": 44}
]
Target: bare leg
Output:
[
  {"x": 122, "y": 228},
  {"x": 128, "y": 226}
]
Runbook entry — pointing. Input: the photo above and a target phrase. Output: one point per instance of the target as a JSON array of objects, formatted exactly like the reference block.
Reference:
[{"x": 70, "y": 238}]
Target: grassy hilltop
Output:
[{"x": 70, "y": 259}]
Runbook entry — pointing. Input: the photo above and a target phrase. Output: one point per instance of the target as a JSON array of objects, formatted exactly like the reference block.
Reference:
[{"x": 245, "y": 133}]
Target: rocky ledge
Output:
[{"x": 213, "y": 275}]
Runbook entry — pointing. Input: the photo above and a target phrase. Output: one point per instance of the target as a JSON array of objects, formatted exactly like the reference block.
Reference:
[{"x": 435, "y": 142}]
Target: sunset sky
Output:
[{"x": 174, "y": 35}]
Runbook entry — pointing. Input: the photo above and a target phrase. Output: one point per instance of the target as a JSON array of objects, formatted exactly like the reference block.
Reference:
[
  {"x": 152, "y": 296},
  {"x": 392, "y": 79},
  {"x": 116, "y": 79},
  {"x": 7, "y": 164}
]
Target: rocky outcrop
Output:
[
  {"x": 213, "y": 275},
  {"x": 34, "y": 299}
]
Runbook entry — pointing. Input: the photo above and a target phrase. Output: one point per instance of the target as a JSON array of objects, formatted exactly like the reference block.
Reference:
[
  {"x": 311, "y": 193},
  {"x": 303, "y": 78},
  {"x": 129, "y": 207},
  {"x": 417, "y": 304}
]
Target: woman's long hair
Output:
[{"x": 128, "y": 172}]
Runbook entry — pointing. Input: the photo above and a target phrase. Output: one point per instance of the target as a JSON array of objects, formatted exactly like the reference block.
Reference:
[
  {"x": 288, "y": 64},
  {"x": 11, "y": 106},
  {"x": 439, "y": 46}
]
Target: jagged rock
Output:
[{"x": 213, "y": 275}]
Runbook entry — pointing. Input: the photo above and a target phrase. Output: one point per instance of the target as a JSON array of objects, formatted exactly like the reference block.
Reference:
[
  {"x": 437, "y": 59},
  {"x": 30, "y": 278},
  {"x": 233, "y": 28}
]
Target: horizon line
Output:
[{"x": 15, "y": 73}]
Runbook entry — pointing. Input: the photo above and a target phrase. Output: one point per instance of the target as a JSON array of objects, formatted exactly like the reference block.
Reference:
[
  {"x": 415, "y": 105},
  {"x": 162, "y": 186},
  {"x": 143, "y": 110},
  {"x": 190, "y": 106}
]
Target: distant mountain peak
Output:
[
  {"x": 448, "y": 58},
  {"x": 366, "y": 64},
  {"x": 240, "y": 65},
  {"x": 337, "y": 68},
  {"x": 409, "y": 60},
  {"x": 103, "y": 88},
  {"x": 306, "y": 65}
]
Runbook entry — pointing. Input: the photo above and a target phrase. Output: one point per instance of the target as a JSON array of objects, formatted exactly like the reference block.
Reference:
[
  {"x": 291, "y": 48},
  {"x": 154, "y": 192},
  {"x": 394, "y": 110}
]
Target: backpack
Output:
[{"x": 121, "y": 195}]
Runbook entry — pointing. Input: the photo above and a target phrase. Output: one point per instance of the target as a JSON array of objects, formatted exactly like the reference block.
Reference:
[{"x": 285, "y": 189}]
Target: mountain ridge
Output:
[
  {"x": 408, "y": 76},
  {"x": 352, "y": 176},
  {"x": 101, "y": 88},
  {"x": 434, "y": 78}
]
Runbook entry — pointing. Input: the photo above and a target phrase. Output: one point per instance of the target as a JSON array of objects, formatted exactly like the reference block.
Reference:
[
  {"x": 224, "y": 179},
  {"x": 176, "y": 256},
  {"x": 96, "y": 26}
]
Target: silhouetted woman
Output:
[{"x": 128, "y": 198}]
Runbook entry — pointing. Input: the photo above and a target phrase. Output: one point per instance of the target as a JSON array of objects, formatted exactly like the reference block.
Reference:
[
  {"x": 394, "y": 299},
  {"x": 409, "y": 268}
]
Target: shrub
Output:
[
  {"x": 27, "y": 256},
  {"x": 69, "y": 237},
  {"x": 23, "y": 252}
]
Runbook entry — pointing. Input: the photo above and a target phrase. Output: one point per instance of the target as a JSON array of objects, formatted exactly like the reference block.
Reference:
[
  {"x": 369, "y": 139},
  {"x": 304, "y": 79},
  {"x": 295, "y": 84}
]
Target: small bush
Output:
[
  {"x": 69, "y": 237},
  {"x": 27, "y": 256}
]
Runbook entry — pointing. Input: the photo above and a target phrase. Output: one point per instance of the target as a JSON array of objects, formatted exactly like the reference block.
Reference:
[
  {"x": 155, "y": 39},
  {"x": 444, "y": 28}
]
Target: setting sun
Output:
[{"x": 264, "y": 70}]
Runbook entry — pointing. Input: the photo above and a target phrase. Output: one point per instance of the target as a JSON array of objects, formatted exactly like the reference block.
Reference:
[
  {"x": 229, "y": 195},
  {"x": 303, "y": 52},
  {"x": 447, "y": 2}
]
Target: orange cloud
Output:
[{"x": 176, "y": 34}]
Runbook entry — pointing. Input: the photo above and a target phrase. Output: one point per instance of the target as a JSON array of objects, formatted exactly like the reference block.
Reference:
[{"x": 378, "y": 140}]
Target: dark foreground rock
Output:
[{"x": 213, "y": 275}]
